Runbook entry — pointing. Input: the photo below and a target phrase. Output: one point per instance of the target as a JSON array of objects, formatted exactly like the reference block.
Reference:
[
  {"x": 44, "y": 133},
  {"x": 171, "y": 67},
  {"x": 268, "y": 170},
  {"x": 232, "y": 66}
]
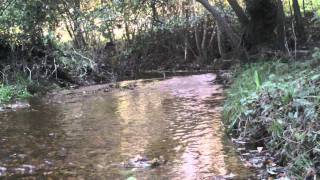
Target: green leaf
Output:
[{"x": 257, "y": 79}]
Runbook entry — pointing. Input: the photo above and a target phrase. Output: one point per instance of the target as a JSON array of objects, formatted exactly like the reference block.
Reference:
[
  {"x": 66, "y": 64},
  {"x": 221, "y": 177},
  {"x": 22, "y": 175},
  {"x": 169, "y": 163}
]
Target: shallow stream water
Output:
[{"x": 89, "y": 136}]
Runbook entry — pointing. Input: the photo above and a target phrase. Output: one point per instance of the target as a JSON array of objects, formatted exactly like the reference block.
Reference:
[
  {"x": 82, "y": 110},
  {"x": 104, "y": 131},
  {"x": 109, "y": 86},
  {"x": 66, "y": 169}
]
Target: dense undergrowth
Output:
[
  {"x": 52, "y": 64},
  {"x": 276, "y": 103},
  {"x": 11, "y": 92}
]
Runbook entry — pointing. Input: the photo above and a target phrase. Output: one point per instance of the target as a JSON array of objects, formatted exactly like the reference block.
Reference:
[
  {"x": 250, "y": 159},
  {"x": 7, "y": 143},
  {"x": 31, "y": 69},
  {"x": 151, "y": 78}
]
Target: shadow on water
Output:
[{"x": 90, "y": 136}]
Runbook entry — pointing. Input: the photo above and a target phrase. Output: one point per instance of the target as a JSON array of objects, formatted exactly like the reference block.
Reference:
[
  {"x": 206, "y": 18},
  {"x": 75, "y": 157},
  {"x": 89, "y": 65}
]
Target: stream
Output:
[{"x": 92, "y": 135}]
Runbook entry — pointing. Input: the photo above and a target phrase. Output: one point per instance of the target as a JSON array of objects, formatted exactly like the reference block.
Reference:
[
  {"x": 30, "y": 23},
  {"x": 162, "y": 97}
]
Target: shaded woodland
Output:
[{"x": 85, "y": 42}]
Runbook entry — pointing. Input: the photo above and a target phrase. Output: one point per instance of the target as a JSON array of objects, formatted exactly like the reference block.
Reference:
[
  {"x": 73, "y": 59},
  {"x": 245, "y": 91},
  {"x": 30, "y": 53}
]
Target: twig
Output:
[
  {"x": 30, "y": 72},
  {"x": 90, "y": 60},
  {"x": 55, "y": 69}
]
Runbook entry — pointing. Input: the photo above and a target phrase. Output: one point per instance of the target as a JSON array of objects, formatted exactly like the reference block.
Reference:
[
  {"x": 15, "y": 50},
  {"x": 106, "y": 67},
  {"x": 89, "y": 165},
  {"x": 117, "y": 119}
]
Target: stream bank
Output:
[{"x": 274, "y": 107}]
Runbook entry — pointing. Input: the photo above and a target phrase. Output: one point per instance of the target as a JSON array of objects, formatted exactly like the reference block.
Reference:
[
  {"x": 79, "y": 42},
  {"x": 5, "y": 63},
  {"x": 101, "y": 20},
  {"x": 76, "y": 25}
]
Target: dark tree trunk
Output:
[
  {"x": 263, "y": 21},
  {"x": 281, "y": 36},
  {"x": 78, "y": 35},
  {"x": 243, "y": 19},
  {"x": 299, "y": 22}
]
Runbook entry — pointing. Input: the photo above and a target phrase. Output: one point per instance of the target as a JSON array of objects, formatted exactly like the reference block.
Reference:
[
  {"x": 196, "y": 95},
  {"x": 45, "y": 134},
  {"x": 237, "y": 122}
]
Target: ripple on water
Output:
[{"x": 89, "y": 136}]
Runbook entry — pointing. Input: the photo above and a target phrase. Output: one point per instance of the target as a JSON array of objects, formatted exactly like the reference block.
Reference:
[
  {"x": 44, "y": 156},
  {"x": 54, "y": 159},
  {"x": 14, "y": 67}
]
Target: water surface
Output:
[{"x": 88, "y": 136}]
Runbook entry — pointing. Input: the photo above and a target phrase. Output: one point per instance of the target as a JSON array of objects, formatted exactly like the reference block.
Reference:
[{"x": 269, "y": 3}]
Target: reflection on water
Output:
[{"x": 89, "y": 136}]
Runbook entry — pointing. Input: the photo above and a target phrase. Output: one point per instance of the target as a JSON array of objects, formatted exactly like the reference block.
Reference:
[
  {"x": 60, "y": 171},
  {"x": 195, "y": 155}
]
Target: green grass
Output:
[
  {"x": 15, "y": 91},
  {"x": 12, "y": 92},
  {"x": 281, "y": 99}
]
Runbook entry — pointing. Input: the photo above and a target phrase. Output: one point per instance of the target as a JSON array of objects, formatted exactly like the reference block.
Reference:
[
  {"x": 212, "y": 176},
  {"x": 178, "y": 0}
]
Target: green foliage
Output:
[
  {"x": 276, "y": 128},
  {"x": 11, "y": 92},
  {"x": 316, "y": 54},
  {"x": 245, "y": 89},
  {"x": 316, "y": 18},
  {"x": 286, "y": 106},
  {"x": 23, "y": 20},
  {"x": 6, "y": 93},
  {"x": 16, "y": 91}
]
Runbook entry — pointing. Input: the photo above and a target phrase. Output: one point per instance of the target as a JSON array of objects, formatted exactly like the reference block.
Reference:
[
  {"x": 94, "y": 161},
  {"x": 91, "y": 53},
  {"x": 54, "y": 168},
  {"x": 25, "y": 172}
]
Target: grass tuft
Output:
[{"x": 17, "y": 91}]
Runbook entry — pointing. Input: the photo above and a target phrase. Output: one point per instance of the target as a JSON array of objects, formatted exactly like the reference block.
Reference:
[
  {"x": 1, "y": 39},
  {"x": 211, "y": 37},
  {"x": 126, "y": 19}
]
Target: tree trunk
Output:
[
  {"x": 281, "y": 36},
  {"x": 204, "y": 48},
  {"x": 186, "y": 33},
  {"x": 243, "y": 19},
  {"x": 155, "y": 18},
  {"x": 235, "y": 42},
  {"x": 220, "y": 43},
  {"x": 298, "y": 18},
  {"x": 78, "y": 35},
  {"x": 197, "y": 38},
  {"x": 263, "y": 23},
  {"x": 223, "y": 25}
]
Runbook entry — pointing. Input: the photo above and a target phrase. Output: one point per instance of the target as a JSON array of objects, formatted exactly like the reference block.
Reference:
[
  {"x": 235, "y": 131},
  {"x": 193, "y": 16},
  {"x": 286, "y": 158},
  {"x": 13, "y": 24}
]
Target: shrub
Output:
[{"x": 17, "y": 91}]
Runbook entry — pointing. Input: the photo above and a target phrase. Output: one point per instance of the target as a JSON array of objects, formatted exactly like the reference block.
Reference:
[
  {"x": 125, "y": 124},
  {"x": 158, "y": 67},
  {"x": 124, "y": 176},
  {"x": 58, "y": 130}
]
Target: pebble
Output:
[
  {"x": 29, "y": 168},
  {"x": 22, "y": 156},
  {"x": 3, "y": 171},
  {"x": 13, "y": 155},
  {"x": 19, "y": 170},
  {"x": 241, "y": 149},
  {"x": 62, "y": 152},
  {"x": 50, "y": 163}
]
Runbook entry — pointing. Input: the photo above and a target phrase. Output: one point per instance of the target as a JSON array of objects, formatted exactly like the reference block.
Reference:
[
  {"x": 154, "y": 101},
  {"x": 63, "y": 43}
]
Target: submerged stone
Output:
[
  {"x": 3, "y": 171},
  {"x": 143, "y": 162}
]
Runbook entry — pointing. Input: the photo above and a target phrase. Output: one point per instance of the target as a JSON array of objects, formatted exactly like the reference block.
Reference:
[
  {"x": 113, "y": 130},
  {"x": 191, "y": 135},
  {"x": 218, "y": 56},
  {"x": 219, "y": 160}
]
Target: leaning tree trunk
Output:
[
  {"x": 235, "y": 42},
  {"x": 243, "y": 18},
  {"x": 298, "y": 18},
  {"x": 224, "y": 26}
]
